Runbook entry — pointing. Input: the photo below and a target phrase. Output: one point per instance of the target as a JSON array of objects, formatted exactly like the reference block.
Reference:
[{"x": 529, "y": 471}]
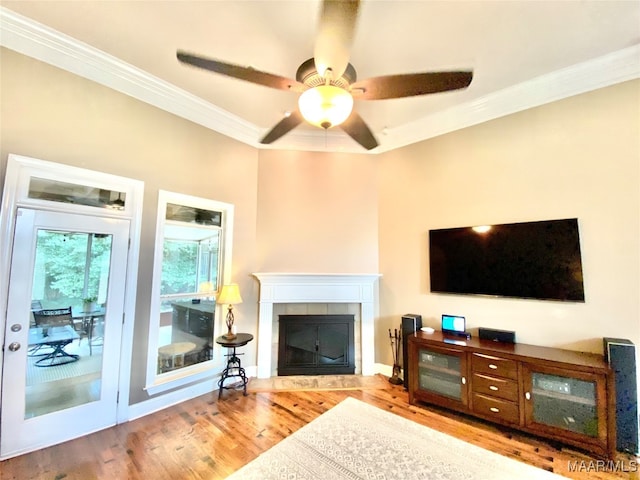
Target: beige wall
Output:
[
  {"x": 317, "y": 212},
  {"x": 578, "y": 157},
  {"x": 52, "y": 115}
]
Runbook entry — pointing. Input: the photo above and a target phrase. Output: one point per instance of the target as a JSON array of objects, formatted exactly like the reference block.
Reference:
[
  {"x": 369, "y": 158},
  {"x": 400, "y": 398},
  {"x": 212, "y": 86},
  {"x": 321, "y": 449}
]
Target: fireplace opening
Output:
[{"x": 316, "y": 345}]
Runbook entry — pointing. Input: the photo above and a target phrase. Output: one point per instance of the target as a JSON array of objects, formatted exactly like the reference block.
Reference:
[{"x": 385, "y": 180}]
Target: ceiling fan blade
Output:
[
  {"x": 335, "y": 36},
  {"x": 243, "y": 73},
  {"x": 355, "y": 127},
  {"x": 409, "y": 85},
  {"x": 284, "y": 126}
]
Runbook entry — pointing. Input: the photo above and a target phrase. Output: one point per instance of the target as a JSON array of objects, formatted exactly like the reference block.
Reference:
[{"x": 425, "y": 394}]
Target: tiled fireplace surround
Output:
[{"x": 313, "y": 293}]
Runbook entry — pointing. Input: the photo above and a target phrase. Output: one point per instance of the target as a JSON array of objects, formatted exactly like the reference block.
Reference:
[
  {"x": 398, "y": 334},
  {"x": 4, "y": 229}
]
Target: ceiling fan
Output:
[{"x": 327, "y": 83}]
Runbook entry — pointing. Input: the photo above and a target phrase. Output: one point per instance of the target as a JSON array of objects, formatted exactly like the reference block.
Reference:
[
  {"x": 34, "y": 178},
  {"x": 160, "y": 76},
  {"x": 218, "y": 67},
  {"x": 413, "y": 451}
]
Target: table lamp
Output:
[{"x": 230, "y": 294}]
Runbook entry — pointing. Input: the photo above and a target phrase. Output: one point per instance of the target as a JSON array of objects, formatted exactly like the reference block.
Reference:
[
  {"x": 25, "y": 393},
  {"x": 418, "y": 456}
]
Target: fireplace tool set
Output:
[{"x": 395, "y": 340}]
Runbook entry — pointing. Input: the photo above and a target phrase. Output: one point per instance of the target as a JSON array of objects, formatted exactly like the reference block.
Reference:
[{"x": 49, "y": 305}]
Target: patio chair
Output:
[
  {"x": 57, "y": 332},
  {"x": 32, "y": 352}
]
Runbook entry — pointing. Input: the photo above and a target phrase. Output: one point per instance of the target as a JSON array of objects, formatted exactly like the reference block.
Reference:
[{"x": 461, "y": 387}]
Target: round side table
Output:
[{"x": 234, "y": 367}]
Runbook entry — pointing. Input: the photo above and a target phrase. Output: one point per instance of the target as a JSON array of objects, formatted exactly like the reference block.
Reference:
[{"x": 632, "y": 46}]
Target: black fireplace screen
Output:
[{"x": 316, "y": 345}]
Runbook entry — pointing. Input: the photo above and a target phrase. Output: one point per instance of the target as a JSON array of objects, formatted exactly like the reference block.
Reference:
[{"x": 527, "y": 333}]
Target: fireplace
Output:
[
  {"x": 316, "y": 345},
  {"x": 310, "y": 293}
]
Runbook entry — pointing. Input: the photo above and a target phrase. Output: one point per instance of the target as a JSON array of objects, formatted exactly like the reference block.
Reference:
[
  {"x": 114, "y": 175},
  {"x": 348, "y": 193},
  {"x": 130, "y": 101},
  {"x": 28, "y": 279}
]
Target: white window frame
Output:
[{"x": 155, "y": 382}]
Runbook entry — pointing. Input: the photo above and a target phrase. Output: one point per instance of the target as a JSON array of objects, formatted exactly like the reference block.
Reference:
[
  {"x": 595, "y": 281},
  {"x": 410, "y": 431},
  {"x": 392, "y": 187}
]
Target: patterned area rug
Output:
[
  {"x": 355, "y": 440},
  {"x": 316, "y": 382}
]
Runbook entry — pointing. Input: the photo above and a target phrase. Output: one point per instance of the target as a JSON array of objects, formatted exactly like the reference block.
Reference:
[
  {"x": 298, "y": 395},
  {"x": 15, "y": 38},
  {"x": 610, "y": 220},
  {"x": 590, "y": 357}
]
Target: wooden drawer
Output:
[
  {"x": 495, "y": 387},
  {"x": 494, "y": 366},
  {"x": 497, "y": 408}
]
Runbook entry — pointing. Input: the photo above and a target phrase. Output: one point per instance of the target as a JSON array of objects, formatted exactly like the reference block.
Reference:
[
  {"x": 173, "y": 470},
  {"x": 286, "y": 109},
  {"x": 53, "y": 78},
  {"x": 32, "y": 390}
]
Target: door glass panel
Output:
[
  {"x": 440, "y": 373},
  {"x": 563, "y": 402},
  {"x": 333, "y": 345},
  {"x": 300, "y": 345},
  {"x": 69, "y": 291}
]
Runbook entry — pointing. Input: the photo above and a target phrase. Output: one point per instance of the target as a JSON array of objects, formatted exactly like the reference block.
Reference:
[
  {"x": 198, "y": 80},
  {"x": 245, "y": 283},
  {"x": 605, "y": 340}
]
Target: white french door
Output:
[{"x": 44, "y": 404}]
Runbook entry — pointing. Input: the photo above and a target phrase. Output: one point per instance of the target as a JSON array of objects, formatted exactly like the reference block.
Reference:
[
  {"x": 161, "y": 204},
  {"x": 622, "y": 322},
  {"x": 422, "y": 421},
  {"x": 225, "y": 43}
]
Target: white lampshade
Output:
[
  {"x": 325, "y": 106},
  {"x": 229, "y": 295}
]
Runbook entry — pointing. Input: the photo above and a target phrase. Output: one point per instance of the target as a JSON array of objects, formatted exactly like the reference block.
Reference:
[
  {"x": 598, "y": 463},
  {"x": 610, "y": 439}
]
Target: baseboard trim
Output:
[
  {"x": 161, "y": 402},
  {"x": 386, "y": 370}
]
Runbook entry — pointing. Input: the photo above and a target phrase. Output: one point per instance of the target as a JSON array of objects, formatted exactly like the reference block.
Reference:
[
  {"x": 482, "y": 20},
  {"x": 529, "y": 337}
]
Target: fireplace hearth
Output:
[{"x": 316, "y": 345}]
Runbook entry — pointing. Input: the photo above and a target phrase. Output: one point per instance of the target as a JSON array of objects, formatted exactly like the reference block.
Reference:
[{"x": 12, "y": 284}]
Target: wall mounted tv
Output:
[{"x": 539, "y": 260}]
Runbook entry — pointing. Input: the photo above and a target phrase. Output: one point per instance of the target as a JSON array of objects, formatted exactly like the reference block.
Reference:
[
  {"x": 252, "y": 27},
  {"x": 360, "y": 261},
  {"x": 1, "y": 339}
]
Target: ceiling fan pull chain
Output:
[{"x": 328, "y": 76}]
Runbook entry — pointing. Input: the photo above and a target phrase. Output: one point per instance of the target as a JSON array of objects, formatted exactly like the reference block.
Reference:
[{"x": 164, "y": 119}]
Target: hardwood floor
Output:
[{"x": 209, "y": 439}]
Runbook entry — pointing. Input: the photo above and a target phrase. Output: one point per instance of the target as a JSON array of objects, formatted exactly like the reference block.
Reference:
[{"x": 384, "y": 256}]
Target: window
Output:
[
  {"x": 77, "y": 194},
  {"x": 192, "y": 256}
]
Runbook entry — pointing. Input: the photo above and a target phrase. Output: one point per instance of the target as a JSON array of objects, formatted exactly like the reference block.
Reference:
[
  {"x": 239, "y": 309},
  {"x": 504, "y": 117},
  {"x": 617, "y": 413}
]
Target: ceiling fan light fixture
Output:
[{"x": 325, "y": 106}]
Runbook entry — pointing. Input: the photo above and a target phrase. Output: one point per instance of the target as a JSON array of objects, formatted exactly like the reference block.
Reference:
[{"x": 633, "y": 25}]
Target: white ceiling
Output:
[{"x": 523, "y": 54}]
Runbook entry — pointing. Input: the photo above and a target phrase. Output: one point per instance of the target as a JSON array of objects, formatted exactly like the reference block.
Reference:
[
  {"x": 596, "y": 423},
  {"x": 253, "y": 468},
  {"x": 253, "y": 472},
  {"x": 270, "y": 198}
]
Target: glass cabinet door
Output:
[
  {"x": 441, "y": 372},
  {"x": 568, "y": 406},
  {"x": 563, "y": 402}
]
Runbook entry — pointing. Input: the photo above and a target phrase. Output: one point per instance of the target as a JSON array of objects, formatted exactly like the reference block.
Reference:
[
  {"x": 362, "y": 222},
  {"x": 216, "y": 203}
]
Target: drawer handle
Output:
[
  {"x": 493, "y": 387},
  {"x": 495, "y": 410},
  {"x": 527, "y": 396},
  {"x": 464, "y": 381},
  {"x": 493, "y": 367}
]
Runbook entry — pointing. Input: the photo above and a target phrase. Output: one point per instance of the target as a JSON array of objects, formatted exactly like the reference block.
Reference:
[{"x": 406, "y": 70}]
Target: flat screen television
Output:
[{"x": 538, "y": 260}]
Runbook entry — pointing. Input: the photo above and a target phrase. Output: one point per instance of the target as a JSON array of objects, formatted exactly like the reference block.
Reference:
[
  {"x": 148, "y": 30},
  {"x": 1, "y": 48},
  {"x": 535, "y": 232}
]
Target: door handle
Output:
[{"x": 14, "y": 346}]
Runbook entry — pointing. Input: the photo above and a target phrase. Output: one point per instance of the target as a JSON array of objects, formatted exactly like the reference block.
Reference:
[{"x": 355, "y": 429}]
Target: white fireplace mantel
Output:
[{"x": 316, "y": 288}]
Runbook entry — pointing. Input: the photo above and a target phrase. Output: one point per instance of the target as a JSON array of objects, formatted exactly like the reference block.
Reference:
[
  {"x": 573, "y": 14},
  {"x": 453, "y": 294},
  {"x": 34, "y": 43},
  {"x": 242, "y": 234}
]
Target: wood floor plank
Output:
[{"x": 204, "y": 438}]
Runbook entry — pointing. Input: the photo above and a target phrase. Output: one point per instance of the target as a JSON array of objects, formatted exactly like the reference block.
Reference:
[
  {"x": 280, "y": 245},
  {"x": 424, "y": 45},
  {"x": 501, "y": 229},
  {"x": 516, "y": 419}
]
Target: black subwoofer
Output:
[
  {"x": 621, "y": 355},
  {"x": 411, "y": 323}
]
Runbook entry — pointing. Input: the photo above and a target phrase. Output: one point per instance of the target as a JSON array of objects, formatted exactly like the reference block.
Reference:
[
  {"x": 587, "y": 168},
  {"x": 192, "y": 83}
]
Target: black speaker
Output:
[
  {"x": 621, "y": 355},
  {"x": 411, "y": 323},
  {"x": 506, "y": 336}
]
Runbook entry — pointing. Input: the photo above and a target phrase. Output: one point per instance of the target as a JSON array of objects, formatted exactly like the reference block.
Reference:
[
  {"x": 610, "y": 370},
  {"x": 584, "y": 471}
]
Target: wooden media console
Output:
[{"x": 564, "y": 395}]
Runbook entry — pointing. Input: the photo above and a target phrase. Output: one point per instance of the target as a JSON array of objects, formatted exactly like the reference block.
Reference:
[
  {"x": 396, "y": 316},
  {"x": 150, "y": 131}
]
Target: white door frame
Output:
[
  {"x": 20, "y": 170},
  {"x": 24, "y": 429}
]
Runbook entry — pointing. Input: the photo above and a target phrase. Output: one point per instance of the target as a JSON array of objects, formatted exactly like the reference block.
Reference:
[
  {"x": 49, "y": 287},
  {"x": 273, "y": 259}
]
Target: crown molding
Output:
[
  {"x": 43, "y": 43},
  {"x": 616, "y": 67}
]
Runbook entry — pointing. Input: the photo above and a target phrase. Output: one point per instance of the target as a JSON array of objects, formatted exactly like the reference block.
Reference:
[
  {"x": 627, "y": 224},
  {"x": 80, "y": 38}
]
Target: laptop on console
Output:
[{"x": 454, "y": 325}]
